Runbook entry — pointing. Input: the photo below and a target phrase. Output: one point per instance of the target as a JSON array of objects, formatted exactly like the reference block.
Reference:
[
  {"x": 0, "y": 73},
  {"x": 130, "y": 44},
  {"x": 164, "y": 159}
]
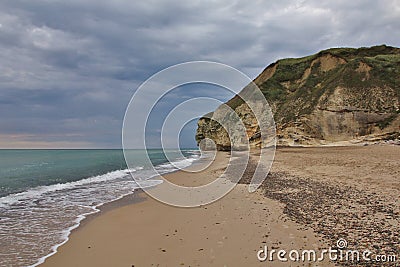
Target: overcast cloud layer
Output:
[{"x": 69, "y": 68}]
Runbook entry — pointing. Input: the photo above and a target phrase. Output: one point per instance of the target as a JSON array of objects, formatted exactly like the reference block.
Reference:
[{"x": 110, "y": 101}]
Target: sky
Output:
[{"x": 68, "y": 69}]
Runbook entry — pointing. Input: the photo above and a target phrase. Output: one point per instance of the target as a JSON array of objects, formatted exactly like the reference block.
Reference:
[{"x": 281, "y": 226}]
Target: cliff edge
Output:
[{"x": 339, "y": 95}]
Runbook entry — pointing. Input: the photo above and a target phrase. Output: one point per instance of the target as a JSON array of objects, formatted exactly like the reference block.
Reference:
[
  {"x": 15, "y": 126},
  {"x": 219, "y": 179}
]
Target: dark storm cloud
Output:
[{"x": 69, "y": 68}]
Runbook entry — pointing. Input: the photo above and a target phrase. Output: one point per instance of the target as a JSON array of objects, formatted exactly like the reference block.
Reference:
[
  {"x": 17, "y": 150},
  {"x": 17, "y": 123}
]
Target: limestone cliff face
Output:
[{"x": 336, "y": 95}]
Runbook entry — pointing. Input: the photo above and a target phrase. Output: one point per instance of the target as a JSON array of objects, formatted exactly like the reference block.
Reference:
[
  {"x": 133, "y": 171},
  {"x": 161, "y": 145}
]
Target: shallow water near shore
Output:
[{"x": 46, "y": 193}]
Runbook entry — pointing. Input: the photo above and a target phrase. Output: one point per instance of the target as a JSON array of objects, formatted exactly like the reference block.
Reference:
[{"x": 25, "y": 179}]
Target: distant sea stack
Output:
[{"x": 343, "y": 95}]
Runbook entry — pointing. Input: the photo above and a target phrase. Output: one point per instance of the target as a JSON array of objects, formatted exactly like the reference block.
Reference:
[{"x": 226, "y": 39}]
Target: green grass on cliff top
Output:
[{"x": 293, "y": 98}]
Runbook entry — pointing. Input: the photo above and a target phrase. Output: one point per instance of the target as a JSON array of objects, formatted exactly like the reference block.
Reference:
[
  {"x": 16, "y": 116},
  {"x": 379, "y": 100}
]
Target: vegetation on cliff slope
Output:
[{"x": 298, "y": 83}]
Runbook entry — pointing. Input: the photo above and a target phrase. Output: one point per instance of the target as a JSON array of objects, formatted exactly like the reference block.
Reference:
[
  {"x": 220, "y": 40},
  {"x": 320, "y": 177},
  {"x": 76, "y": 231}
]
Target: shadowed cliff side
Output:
[{"x": 339, "y": 95}]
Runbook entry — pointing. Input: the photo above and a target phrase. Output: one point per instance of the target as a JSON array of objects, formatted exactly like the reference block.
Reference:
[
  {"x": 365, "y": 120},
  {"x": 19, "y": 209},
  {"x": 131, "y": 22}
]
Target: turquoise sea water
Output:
[
  {"x": 44, "y": 194},
  {"x": 24, "y": 169}
]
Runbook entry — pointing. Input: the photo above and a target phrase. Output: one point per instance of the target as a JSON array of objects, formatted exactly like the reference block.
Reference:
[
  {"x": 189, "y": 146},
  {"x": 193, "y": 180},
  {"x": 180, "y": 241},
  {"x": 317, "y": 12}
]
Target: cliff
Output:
[{"x": 336, "y": 95}]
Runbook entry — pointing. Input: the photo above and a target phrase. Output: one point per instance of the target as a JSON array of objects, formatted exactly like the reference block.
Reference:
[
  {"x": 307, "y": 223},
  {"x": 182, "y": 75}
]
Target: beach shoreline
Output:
[{"x": 233, "y": 229}]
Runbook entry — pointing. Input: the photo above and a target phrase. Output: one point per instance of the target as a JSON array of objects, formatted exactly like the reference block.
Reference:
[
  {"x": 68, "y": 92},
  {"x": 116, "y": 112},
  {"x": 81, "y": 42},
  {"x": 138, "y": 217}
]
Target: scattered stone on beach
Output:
[{"x": 365, "y": 219}]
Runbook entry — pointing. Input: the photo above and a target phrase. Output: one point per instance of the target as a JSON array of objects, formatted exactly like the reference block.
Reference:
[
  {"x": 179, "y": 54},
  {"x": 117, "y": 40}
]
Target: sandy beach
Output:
[{"x": 312, "y": 197}]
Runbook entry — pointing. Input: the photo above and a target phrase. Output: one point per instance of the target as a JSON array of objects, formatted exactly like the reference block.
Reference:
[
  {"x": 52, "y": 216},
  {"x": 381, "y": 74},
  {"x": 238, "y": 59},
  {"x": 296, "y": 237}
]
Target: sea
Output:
[{"x": 45, "y": 194}]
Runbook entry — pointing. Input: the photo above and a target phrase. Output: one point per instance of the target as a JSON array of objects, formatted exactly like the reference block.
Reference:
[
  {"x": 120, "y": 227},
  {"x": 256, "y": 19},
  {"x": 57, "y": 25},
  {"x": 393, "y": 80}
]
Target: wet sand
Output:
[{"x": 312, "y": 197}]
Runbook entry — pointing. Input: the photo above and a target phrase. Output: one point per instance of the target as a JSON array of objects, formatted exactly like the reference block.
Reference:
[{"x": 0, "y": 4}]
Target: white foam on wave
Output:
[
  {"x": 67, "y": 232},
  {"x": 180, "y": 163},
  {"x": 36, "y": 192}
]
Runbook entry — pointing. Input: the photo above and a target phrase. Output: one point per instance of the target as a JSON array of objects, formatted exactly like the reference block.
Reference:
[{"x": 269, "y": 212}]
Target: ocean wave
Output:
[
  {"x": 178, "y": 164},
  {"x": 34, "y": 223},
  {"x": 35, "y": 192}
]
